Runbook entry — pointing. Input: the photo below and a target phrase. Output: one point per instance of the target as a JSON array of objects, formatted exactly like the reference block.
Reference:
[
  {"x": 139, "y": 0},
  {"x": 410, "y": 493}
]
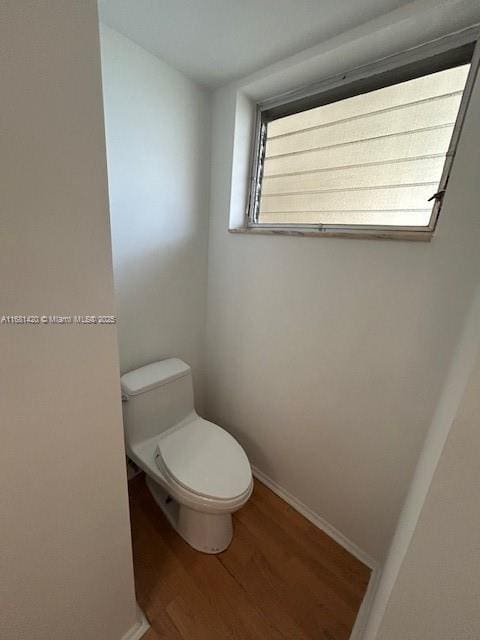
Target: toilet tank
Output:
[{"x": 155, "y": 398}]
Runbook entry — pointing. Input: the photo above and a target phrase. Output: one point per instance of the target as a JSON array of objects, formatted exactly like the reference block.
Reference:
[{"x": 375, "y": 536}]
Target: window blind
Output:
[{"x": 372, "y": 159}]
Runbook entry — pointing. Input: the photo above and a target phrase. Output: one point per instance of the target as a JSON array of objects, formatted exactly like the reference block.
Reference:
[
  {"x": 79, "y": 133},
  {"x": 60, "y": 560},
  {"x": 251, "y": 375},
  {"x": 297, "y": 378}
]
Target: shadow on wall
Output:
[
  {"x": 158, "y": 136},
  {"x": 157, "y": 294}
]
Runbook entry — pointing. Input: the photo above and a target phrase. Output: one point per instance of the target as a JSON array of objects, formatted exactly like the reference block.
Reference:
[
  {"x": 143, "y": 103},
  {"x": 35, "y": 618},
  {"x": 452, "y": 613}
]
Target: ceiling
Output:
[{"x": 215, "y": 41}]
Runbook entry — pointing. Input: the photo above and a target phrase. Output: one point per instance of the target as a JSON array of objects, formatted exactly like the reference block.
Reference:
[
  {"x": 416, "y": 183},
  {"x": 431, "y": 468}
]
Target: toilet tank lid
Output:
[{"x": 153, "y": 375}]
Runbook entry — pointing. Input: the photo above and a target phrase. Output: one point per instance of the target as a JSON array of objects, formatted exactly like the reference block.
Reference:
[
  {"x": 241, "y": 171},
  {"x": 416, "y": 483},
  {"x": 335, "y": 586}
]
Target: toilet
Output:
[{"x": 196, "y": 472}]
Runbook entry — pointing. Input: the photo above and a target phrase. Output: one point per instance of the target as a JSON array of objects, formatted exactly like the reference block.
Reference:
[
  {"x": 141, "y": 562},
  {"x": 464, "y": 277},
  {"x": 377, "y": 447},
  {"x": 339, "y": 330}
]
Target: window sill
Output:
[{"x": 418, "y": 236}]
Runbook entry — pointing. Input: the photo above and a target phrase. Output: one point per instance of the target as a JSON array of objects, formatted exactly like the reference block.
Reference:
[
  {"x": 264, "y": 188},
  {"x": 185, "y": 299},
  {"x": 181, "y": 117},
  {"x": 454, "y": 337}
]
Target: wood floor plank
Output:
[
  {"x": 280, "y": 579},
  {"x": 285, "y": 593},
  {"x": 281, "y": 546},
  {"x": 314, "y": 542},
  {"x": 195, "y": 621},
  {"x": 261, "y": 582},
  {"x": 243, "y": 617},
  {"x": 151, "y": 635}
]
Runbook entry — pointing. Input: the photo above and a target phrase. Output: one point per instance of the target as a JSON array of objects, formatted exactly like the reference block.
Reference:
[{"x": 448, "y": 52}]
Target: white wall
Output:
[
  {"x": 158, "y": 135},
  {"x": 66, "y": 565},
  {"x": 326, "y": 357},
  {"x": 437, "y": 590},
  {"x": 440, "y": 596},
  {"x": 434, "y": 448}
]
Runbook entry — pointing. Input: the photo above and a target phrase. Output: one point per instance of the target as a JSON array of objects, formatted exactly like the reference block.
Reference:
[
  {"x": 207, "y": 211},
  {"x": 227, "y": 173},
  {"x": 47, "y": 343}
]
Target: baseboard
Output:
[
  {"x": 335, "y": 534},
  {"x": 139, "y": 629},
  {"x": 317, "y": 520},
  {"x": 367, "y": 602}
]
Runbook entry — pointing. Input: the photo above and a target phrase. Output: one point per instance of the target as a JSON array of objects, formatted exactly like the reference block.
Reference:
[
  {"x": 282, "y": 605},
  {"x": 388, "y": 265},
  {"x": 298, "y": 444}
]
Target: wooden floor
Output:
[{"x": 280, "y": 579}]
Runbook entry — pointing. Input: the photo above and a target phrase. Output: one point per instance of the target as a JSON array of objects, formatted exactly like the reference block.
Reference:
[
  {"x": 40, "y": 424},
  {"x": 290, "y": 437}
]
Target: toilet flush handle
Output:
[{"x": 124, "y": 398}]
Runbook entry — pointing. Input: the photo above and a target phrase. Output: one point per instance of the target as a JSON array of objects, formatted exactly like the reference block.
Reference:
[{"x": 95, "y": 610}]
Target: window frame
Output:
[{"x": 447, "y": 52}]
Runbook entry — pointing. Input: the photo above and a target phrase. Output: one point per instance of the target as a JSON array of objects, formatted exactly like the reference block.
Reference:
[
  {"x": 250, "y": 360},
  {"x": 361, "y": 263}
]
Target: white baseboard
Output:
[
  {"x": 367, "y": 602},
  {"x": 317, "y": 520},
  {"x": 139, "y": 629}
]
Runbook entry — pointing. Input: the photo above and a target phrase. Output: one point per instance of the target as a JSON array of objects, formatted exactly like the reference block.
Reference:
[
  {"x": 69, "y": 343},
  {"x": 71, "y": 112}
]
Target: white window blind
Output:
[{"x": 372, "y": 159}]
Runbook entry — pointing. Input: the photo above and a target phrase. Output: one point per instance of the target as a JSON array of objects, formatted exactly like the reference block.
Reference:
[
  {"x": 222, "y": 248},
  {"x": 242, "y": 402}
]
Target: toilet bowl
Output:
[{"x": 196, "y": 471}]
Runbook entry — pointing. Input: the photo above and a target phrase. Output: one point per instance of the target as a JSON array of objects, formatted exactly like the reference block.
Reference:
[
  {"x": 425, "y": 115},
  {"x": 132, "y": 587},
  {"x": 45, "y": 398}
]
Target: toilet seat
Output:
[{"x": 205, "y": 460}]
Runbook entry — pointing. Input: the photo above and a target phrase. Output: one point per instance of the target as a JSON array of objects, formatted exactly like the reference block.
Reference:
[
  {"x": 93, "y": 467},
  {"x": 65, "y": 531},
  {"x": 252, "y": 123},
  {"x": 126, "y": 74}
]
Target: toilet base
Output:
[{"x": 206, "y": 532}]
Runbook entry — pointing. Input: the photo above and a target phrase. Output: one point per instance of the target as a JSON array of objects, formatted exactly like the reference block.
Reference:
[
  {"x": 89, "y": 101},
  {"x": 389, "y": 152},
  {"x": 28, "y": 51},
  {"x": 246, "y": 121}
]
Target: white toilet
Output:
[{"x": 196, "y": 471}]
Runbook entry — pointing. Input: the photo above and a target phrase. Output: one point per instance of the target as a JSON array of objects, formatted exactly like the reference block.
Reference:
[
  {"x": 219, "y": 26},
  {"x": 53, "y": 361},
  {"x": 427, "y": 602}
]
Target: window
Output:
[{"x": 366, "y": 156}]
